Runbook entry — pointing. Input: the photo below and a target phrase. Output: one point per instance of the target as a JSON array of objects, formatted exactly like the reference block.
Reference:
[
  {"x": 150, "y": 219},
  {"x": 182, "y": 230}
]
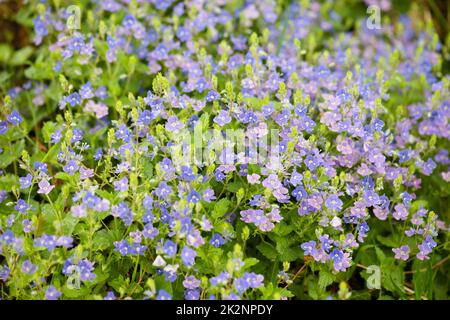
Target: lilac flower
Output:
[
  {"x": 208, "y": 195},
  {"x": 188, "y": 256},
  {"x": 191, "y": 282},
  {"x": 83, "y": 269},
  {"x": 7, "y": 237},
  {"x": 333, "y": 202},
  {"x": 222, "y": 118},
  {"x": 110, "y": 296},
  {"x": 192, "y": 294},
  {"x": 52, "y": 293},
  {"x": 221, "y": 279},
  {"x": 309, "y": 247},
  {"x": 343, "y": 263},
  {"x": 4, "y": 272},
  {"x": 163, "y": 295},
  {"x": 123, "y": 212},
  {"x": 170, "y": 248},
  {"x": 400, "y": 212},
  {"x": 121, "y": 185},
  {"x": 402, "y": 253},
  {"x": 28, "y": 267},
  {"x": 45, "y": 187},
  {"x": 212, "y": 96},
  {"x": 163, "y": 191}
]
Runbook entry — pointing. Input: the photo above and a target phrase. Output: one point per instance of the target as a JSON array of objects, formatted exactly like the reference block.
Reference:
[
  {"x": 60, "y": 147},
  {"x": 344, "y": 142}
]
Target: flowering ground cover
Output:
[{"x": 221, "y": 149}]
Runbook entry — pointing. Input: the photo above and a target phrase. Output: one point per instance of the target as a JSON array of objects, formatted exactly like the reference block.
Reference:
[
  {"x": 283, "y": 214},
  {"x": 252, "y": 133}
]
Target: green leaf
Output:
[
  {"x": 75, "y": 293},
  {"x": 221, "y": 208},
  {"x": 102, "y": 240},
  {"x": 267, "y": 250},
  {"x": 21, "y": 56},
  {"x": 8, "y": 181},
  {"x": 387, "y": 241},
  {"x": 5, "y": 52},
  {"x": 11, "y": 154},
  {"x": 47, "y": 130},
  {"x": 325, "y": 279},
  {"x": 250, "y": 262}
]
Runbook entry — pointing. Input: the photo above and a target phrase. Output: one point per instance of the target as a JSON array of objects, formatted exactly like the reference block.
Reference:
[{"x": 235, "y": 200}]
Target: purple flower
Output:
[
  {"x": 222, "y": 118},
  {"x": 188, "y": 256},
  {"x": 4, "y": 272},
  {"x": 183, "y": 34},
  {"x": 343, "y": 263},
  {"x": 71, "y": 167},
  {"x": 123, "y": 212},
  {"x": 21, "y": 206},
  {"x": 191, "y": 282},
  {"x": 170, "y": 248},
  {"x": 192, "y": 295},
  {"x": 212, "y": 95},
  {"x": 45, "y": 187},
  {"x": 73, "y": 99},
  {"x": 220, "y": 279},
  {"x": 15, "y": 118},
  {"x": 208, "y": 195},
  {"x": 163, "y": 295},
  {"x": 28, "y": 267},
  {"x": 163, "y": 191},
  {"x": 402, "y": 253},
  {"x": 333, "y": 202},
  {"x": 193, "y": 196},
  {"x": 3, "y": 127},
  {"x": 309, "y": 247},
  {"x": 121, "y": 185},
  {"x": 52, "y": 293},
  {"x": 217, "y": 240},
  {"x": 400, "y": 212}
]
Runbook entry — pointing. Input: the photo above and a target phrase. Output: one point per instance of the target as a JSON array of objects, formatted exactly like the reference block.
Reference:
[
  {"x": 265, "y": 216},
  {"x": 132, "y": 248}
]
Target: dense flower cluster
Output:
[{"x": 105, "y": 200}]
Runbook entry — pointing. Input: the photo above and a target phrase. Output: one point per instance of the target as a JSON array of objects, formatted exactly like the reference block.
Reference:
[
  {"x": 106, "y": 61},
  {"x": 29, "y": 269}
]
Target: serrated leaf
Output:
[
  {"x": 11, "y": 154},
  {"x": 102, "y": 240},
  {"x": 221, "y": 208},
  {"x": 325, "y": 279},
  {"x": 267, "y": 250},
  {"x": 47, "y": 130}
]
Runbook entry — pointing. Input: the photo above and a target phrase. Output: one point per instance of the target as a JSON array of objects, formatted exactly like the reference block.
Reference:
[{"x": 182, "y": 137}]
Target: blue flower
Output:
[
  {"x": 334, "y": 203},
  {"x": 183, "y": 34},
  {"x": 217, "y": 240},
  {"x": 73, "y": 99},
  {"x": 170, "y": 248},
  {"x": 15, "y": 118},
  {"x": 3, "y": 127},
  {"x": 123, "y": 212},
  {"x": 193, "y": 196},
  {"x": 163, "y": 295},
  {"x": 71, "y": 167},
  {"x": 52, "y": 293},
  {"x": 222, "y": 118},
  {"x": 188, "y": 256},
  {"x": 192, "y": 294},
  {"x": 28, "y": 267},
  {"x": 121, "y": 185},
  {"x": 21, "y": 206}
]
